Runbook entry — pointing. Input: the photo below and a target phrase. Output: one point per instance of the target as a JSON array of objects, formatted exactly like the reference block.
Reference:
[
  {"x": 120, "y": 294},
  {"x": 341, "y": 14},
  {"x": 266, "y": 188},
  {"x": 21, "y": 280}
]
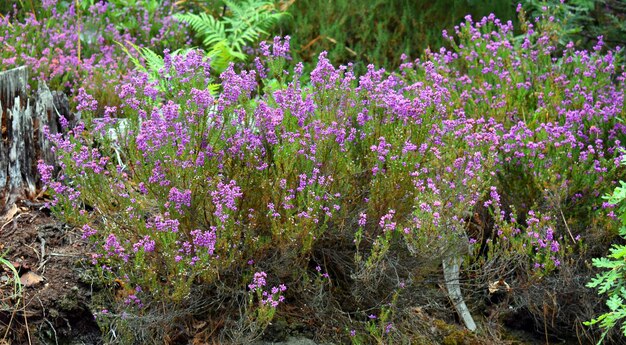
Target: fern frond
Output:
[
  {"x": 225, "y": 37},
  {"x": 138, "y": 65},
  {"x": 213, "y": 88},
  {"x": 154, "y": 62},
  {"x": 248, "y": 36},
  {"x": 234, "y": 7},
  {"x": 222, "y": 55},
  {"x": 206, "y": 27},
  {"x": 247, "y": 9}
]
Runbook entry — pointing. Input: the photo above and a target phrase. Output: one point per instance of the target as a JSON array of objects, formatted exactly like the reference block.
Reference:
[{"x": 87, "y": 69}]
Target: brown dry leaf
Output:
[
  {"x": 499, "y": 285},
  {"x": 199, "y": 324},
  {"x": 30, "y": 279},
  {"x": 199, "y": 339},
  {"x": 10, "y": 214},
  {"x": 16, "y": 264},
  {"x": 42, "y": 193}
]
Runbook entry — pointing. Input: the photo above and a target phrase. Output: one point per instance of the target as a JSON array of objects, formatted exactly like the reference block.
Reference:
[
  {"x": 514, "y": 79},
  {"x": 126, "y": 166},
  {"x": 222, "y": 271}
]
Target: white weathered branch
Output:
[{"x": 451, "y": 272}]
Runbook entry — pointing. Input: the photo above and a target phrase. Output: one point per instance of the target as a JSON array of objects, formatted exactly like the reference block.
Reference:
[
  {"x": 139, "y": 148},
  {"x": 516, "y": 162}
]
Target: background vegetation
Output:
[
  {"x": 238, "y": 193},
  {"x": 378, "y": 32}
]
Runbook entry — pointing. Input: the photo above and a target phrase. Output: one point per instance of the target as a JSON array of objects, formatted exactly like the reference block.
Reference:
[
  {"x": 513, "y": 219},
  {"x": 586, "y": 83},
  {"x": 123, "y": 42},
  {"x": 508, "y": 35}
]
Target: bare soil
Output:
[{"x": 52, "y": 307}]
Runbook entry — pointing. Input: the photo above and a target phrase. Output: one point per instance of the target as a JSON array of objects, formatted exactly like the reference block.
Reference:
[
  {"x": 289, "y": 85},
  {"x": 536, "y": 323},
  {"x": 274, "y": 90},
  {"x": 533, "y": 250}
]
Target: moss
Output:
[
  {"x": 69, "y": 301},
  {"x": 454, "y": 334},
  {"x": 457, "y": 338}
]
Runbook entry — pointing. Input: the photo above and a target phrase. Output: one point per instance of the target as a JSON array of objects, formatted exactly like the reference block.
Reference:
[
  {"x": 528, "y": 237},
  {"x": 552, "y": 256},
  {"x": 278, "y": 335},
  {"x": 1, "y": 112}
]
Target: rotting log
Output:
[{"x": 22, "y": 141}]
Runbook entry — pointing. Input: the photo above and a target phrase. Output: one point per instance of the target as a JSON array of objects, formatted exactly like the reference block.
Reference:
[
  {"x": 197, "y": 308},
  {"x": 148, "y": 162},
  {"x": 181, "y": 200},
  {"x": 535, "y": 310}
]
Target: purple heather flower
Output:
[
  {"x": 206, "y": 239},
  {"x": 258, "y": 281}
]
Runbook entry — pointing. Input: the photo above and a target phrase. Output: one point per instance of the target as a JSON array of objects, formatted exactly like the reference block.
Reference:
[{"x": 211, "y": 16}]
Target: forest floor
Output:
[{"x": 53, "y": 304}]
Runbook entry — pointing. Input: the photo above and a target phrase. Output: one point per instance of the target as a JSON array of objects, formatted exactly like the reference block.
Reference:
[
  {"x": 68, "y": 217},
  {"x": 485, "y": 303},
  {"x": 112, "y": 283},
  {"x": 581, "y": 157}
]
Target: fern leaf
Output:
[
  {"x": 133, "y": 58},
  {"x": 615, "y": 302},
  {"x": 604, "y": 263},
  {"x": 213, "y": 88},
  {"x": 154, "y": 62},
  {"x": 234, "y": 7},
  {"x": 206, "y": 27},
  {"x": 225, "y": 37},
  {"x": 221, "y": 56}
]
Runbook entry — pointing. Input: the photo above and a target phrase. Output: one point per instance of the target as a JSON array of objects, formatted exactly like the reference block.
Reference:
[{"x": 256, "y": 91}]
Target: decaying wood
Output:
[{"x": 23, "y": 141}]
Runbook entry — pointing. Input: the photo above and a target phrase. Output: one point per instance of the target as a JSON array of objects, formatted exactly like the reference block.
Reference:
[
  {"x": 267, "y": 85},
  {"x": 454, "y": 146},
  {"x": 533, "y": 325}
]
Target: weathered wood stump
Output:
[{"x": 22, "y": 141}]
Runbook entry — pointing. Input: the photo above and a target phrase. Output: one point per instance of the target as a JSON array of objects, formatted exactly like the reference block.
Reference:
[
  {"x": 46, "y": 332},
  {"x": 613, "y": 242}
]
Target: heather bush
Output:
[
  {"x": 72, "y": 44},
  {"x": 546, "y": 100},
  {"x": 492, "y": 152}
]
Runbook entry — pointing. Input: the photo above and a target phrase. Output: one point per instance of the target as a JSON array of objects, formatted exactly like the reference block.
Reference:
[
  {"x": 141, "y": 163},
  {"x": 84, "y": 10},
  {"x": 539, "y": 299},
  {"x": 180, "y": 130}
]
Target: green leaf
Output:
[
  {"x": 614, "y": 302},
  {"x": 612, "y": 281},
  {"x": 604, "y": 263}
]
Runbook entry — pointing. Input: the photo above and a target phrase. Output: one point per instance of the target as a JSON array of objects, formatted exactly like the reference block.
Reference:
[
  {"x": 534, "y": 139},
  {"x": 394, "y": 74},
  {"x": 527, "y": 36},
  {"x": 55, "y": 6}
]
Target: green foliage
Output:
[
  {"x": 569, "y": 17},
  {"x": 582, "y": 21},
  {"x": 17, "y": 286},
  {"x": 611, "y": 282},
  {"x": 16, "y": 297},
  {"x": 616, "y": 199},
  {"x": 227, "y": 36},
  {"x": 379, "y": 31}
]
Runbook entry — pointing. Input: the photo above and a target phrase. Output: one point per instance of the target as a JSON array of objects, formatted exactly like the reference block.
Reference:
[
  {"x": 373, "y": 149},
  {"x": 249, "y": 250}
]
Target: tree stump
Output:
[{"x": 22, "y": 141}]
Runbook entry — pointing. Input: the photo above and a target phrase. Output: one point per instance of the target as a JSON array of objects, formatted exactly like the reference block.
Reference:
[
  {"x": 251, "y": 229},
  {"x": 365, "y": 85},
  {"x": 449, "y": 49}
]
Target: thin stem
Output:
[{"x": 80, "y": 25}]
